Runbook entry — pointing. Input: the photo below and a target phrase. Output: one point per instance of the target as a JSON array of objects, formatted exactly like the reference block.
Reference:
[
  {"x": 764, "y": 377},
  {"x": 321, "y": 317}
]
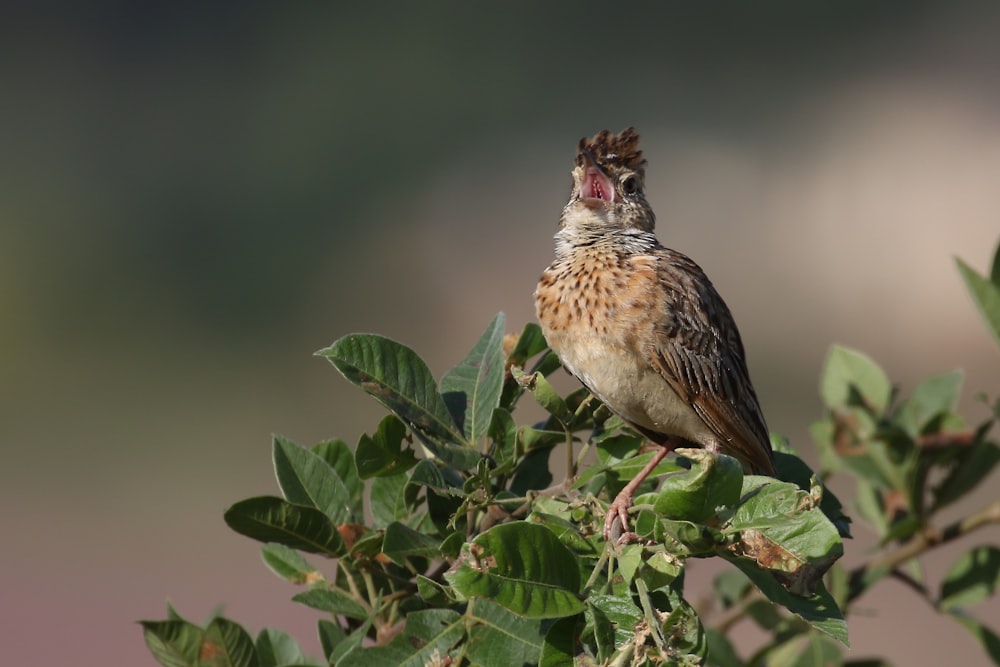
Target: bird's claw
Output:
[{"x": 616, "y": 526}]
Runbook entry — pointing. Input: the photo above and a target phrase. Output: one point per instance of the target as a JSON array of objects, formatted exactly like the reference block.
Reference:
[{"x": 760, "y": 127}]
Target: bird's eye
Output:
[{"x": 630, "y": 185}]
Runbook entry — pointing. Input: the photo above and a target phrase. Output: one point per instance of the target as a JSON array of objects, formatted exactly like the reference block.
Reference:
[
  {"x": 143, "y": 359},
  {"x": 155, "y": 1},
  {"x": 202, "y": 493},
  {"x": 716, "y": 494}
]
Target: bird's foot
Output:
[
  {"x": 616, "y": 525},
  {"x": 616, "y": 528}
]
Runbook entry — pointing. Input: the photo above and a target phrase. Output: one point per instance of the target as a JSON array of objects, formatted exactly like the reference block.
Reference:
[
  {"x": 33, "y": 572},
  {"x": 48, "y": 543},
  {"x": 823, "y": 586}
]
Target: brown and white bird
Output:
[{"x": 641, "y": 325}]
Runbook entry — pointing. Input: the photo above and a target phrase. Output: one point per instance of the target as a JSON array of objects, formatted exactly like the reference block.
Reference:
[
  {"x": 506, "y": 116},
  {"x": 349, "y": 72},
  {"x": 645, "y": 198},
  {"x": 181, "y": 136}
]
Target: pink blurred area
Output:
[{"x": 198, "y": 199}]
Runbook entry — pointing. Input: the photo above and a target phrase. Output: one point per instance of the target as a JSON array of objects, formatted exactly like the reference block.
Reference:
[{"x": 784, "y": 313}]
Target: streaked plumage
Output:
[{"x": 641, "y": 325}]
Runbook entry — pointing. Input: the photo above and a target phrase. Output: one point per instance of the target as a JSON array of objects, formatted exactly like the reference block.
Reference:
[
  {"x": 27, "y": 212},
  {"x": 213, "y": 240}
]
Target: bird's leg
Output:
[{"x": 616, "y": 527}]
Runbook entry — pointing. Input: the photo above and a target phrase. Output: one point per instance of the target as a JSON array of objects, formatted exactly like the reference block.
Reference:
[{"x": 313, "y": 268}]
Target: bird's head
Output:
[{"x": 608, "y": 185}]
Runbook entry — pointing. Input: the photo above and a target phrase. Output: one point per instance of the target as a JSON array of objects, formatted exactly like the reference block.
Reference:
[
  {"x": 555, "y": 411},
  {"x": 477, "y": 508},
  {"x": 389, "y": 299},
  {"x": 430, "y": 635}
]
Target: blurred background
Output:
[{"x": 195, "y": 198}]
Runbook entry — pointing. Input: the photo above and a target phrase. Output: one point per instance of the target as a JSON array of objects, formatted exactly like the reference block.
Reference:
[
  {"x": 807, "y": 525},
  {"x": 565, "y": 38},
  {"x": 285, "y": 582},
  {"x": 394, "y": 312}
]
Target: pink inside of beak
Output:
[{"x": 597, "y": 186}]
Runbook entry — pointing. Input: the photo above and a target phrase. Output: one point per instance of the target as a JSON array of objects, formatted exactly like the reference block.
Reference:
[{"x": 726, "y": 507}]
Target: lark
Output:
[{"x": 642, "y": 326}]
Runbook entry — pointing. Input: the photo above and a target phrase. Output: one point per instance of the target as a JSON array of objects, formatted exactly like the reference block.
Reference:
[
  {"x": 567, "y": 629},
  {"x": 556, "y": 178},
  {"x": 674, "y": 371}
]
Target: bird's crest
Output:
[{"x": 607, "y": 149}]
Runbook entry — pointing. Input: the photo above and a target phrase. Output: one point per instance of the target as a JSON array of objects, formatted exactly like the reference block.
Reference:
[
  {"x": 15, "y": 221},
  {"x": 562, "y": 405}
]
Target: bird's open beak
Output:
[{"x": 595, "y": 186}]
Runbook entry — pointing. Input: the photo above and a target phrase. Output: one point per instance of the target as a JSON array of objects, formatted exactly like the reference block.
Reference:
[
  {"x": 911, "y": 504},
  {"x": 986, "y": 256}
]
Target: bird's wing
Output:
[{"x": 698, "y": 351}]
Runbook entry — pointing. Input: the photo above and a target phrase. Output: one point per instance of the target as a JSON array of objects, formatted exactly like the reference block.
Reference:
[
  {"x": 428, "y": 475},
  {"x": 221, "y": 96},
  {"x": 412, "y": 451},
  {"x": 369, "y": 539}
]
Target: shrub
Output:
[{"x": 456, "y": 542}]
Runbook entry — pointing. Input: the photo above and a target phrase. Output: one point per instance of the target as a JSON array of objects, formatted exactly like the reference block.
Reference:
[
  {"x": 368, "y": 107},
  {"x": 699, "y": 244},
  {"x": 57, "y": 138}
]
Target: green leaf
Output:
[
  {"x": 332, "y": 600},
  {"x": 173, "y": 643},
  {"x": 614, "y": 445},
  {"x": 765, "y": 614},
  {"x": 382, "y": 453},
  {"x": 531, "y": 439},
  {"x": 783, "y": 530},
  {"x": 338, "y": 455},
  {"x": 985, "y": 636},
  {"x": 974, "y": 577},
  {"x": 367, "y": 542},
  {"x": 714, "y": 481},
  {"x": 443, "y": 481},
  {"x": 973, "y": 465},
  {"x": 603, "y": 632},
  {"x": 810, "y": 650},
  {"x": 427, "y": 638},
  {"x": 820, "y": 610},
  {"x": 433, "y": 593},
  {"x": 544, "y": 393},
  {"x": 823, "y": 433},
  {"x": 472, "y": 388},
  {"x": 226, "y": 644},
  {"x": 874, "y": 463},
  {"x": 793, "y": 469},
  {"x": 532, "y": 473},
  {"x": 400, "y": 380},
  {"x": 684, "y": 630},
  {"x": 583, "y": 405},
  {"x": 721, "y": 652},
  {"x": 530, "y": 343},
  {"x": 172, "y": 613},
  {"x": 276, "y": 649},
  {"x": 567, "y": 532},
  {"x": 451, "y": 546},
  {"x": 351, "y": 642},
  {"x": 547, "y": 364},
  {"x": 985, "y": 294},
  {"x": 559, "y": 648},
  {"x": 289, "y": 564},
  {"x": 622, "y": 612},
  {"x": 683, "y": 538},
  {"x": 630, "y": 558},
  {"x": 512, "y": 564},
  {"x": 838, "y": 582},
  {"x": 730, "y": 587},
  {"x": 442, "y": 510},
  {"x": 660, "y": 569},
  {"x": 500, "y": 638},
  {"x": 391, "y": 498},
  {"x": 330, "y": 636},
  {"x": 270, "y": 519},
  {"x": 307, "y": 479},
  {"x": 402, "y": 542},
  {"x": 932, "y": 398},
  {"x": 849, "y": 375},
  {"x": 503, "y": 436},
  {"x": 868, "y": 504}
]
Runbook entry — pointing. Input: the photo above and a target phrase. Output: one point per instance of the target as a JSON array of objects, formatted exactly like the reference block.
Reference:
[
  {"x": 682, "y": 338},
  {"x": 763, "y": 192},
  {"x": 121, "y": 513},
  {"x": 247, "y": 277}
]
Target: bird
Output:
[{"x": 642, "y": 326}]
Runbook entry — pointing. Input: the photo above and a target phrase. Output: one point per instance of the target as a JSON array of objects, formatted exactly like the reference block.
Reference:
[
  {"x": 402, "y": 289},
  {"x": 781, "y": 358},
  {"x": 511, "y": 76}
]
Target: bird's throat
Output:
[{"x": 596, "y": 185}]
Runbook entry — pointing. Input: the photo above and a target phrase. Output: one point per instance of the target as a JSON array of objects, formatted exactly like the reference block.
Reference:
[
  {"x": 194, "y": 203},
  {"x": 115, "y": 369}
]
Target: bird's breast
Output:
[{"x": 598, "y": 313}]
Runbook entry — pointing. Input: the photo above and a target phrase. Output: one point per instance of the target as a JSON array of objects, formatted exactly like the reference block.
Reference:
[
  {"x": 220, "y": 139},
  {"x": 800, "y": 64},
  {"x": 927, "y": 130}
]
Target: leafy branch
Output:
[
  {"x": 454, "y": 543},
  {"x": 929, "y": 538}
]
